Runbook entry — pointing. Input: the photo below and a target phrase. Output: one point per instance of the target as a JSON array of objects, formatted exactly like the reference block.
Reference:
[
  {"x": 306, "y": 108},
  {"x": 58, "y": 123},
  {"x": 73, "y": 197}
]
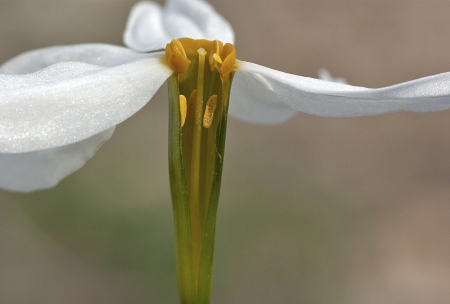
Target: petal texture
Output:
[
  {"x": 151, "y": 27},
  {"x": 196, "y": 19},
  {"x": 97, "y": 54},
  {"x": 145, "y": 30},
  {"x": 331, "y": 99},
  {"x": 44, "y": 169},
  {"x": 71, "y": 101},
  {"x": 253, "y": 100}
]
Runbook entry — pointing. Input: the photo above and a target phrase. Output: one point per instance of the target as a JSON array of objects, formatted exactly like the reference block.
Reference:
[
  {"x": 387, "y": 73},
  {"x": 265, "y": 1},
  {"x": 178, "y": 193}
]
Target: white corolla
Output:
[{"x": 59, "y": 104}]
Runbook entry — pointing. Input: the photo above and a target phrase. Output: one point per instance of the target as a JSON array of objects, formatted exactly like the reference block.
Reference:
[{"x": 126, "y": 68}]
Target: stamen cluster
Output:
[
  {"x": 221, "y": 57},
  {"x": 189, "y": 59}
]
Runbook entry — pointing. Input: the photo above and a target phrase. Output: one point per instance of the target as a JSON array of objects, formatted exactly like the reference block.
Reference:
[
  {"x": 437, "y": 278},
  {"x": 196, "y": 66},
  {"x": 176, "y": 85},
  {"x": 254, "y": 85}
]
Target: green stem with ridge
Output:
[
  {"x": 195, "y": 167},
  {"x": 180, "y": 203}
]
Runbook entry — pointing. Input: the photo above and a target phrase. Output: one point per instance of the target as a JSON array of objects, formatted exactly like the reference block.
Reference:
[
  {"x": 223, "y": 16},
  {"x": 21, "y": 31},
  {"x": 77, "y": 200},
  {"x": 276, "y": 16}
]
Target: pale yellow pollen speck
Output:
[{"x": 208, "y": 117}]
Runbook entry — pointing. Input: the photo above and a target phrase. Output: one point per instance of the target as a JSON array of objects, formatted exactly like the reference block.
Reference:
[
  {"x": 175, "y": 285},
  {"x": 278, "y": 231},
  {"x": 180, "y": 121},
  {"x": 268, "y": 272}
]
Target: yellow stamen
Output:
[
  {"x": 216, "y": 47},
  {"x": 208, "y": 117},
  {"x": 228, "y": 54},
  {"x": 183, "y": 109},
  {"x": 176, "y": 57},
  {"x": 180, "y": 52}
]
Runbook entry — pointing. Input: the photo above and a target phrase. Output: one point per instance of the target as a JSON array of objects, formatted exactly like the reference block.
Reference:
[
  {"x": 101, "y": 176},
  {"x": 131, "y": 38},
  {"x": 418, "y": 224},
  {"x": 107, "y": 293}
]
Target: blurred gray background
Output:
[{"x": 316, "y": 210}]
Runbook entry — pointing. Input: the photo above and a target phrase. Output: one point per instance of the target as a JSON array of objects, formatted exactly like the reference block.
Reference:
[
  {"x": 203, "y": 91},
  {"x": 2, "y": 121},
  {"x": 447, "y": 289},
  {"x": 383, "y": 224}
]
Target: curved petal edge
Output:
[
  {"x": 25, "y": 172},
  {"x": 103, "y": 55},
  {"x": 331, "y": 99},
  {"x": 71, "y": 101},
  {"x": 150, "y": 27},
  {"x": 145, "y": 29}
]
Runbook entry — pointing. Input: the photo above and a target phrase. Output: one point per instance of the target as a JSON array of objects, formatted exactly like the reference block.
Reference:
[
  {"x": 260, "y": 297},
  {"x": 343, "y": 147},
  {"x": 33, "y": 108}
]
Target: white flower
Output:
[{"x": 59, "y": 104}]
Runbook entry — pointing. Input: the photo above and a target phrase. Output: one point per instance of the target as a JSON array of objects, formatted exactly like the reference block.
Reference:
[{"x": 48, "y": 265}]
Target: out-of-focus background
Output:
[{"x": 316, "y": 210}]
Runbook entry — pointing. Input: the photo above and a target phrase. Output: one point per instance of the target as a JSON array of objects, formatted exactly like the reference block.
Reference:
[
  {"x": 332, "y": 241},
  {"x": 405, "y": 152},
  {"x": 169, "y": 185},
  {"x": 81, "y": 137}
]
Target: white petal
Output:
[
  {"x": 196, "y": 19},
  {"x": 145, "y": 30},
  {"x": 332, "y": 99},
  {"x": 250, "y": 103},
  {"x": 98, "y": 54},
  {"x": 45, "y": 168},
  {"x": 149, "y": 27},
  {"x": 69, "y": 101}
]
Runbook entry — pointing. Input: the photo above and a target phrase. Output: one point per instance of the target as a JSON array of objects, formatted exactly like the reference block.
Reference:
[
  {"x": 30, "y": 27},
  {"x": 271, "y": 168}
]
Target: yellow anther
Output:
[
  {"x": 183, "y": 109},
  {"x": 208, "y": 117},
  {"x": 217, "y": 46},
  {"x": 176, "y": 57},
  {"x": 177, "y": 47},
  {"x": 215, "y": 49},
  {"x": 181, "y": 52},
  {"x": 228, "y": 55}
]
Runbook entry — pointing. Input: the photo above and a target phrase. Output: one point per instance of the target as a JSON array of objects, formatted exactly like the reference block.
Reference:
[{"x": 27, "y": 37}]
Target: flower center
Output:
[
  {"x": 181, "y": 52},
  {"x": 197, "y": 64},
  {"x": 199, "y": 92}
]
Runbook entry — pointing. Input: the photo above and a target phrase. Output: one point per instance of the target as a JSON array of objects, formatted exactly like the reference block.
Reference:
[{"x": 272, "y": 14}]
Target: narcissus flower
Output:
[{"x": 59, "y": 104}]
